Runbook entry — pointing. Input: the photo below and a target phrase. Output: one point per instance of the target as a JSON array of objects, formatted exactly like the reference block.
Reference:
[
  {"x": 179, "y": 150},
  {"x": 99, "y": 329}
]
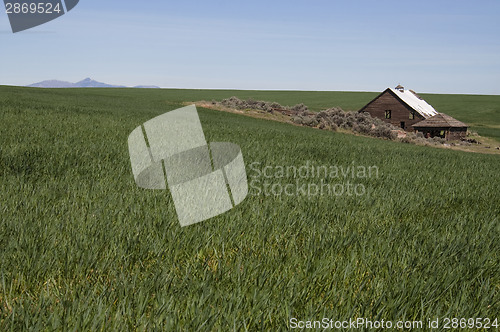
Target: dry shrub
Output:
[{"x": 250, "y": 103}]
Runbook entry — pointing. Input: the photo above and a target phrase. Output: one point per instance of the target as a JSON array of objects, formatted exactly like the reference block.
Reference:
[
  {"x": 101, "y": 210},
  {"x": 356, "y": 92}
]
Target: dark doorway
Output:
[{"x": 403, "y": 124}]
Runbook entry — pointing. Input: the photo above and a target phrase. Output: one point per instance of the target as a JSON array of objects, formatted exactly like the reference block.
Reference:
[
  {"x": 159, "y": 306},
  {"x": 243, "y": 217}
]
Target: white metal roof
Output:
[{"x": 419, "y": 105}]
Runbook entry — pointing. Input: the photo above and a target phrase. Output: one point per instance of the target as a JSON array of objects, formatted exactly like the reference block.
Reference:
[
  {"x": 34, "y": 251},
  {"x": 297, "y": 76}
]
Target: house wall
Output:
[
  {"x": 433, "y": 131},
  {"x": 400, "y": 112},
  {"x": 457, "y": 133},
  {"x": 450, "y": 134}
]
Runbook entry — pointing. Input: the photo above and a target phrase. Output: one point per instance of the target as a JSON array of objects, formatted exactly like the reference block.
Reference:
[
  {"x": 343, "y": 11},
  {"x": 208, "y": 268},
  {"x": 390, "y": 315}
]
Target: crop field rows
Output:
[{"x": 82, "y": 247}]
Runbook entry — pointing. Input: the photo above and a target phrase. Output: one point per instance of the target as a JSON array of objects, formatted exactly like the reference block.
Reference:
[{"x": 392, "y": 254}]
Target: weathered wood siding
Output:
[
  {"x": 457, "y": 133},
  {"x": 450, "y": 133},
  {"x": 400, "y": 112}
]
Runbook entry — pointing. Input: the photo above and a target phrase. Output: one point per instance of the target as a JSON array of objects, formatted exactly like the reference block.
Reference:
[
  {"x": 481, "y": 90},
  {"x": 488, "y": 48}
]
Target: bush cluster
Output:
[
  {"x": 334, "y": 118},
  {"x": 235, "y": 102}
]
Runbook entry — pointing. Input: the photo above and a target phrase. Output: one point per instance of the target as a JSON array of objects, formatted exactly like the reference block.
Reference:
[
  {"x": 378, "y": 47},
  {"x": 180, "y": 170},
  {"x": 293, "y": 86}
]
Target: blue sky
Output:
[{"x": 428, "y": 46}]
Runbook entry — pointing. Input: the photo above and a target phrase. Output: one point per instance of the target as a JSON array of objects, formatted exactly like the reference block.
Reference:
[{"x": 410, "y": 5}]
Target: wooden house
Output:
[{"x": 407, "y": 110}]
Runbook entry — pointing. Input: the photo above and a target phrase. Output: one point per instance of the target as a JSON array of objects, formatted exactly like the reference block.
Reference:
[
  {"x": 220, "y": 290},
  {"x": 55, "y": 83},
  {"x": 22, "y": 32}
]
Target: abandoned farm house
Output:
[{"x": 407, "y": 110}]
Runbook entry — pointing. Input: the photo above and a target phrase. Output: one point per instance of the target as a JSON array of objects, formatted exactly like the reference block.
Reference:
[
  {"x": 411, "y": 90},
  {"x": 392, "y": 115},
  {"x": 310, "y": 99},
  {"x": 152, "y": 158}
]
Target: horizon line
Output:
[{"x": 238, "y": 89}]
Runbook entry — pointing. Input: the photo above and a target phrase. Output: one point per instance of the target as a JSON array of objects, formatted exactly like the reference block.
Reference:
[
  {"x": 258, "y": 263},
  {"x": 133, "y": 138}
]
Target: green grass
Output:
[{"x": 82, "y": 247}]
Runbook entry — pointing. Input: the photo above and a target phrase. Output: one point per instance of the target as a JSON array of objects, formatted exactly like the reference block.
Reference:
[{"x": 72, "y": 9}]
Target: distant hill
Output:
[
  {"x": 52, "y": 84},
  {"x": 90, "y": 83},
  {"x": 86, "y": 83}
]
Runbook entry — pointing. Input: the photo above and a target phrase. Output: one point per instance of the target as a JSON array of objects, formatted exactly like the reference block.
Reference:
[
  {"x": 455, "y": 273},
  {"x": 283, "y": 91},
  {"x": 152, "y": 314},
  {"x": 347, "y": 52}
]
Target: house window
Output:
[
  {"x": 387, "y": 114},
  {"x": 412, "y": 115}
]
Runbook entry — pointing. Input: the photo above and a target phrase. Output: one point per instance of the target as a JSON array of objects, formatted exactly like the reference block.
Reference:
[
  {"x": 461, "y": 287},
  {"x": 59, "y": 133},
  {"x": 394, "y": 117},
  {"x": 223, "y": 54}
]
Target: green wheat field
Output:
[{"x": 82, "y": 248}]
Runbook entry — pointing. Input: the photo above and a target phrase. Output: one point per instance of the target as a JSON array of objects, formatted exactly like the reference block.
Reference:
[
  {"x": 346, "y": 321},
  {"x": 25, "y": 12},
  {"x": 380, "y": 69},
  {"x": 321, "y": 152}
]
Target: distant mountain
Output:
[
  {"x": 90, "y": 83},
  {"x": 86, "y": 83},
  {"x": 52, "y": 84}
]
